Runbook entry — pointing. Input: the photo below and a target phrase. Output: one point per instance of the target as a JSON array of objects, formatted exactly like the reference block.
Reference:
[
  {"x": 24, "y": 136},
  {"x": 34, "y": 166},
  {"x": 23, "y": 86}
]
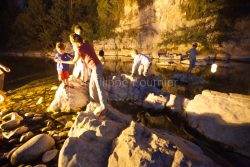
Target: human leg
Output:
[
  {"x": 99, "y": 84},
  {"x": 99, "y": 87},
  {"x": 92, "y": 87},
  {"x": 140, "y": 69},
  {"x": 77, "y": 69},
  {"x": 59, "y": 75},
  {"x": 81, "y": 70},
  {"x": 191, "y": 65},
  {"x": 65, "y": 77},
  {"x": 146, "y": 68}
]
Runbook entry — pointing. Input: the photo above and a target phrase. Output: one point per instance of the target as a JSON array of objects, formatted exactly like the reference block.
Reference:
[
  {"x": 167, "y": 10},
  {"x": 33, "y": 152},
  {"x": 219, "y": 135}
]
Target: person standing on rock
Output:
[
  {"x": 192, "y": 57},
  {"x": 101, "y": 56},
  {"x": 90, "y": 60},
  {"x": 62, "y": 68},
  {"x": 141, "y": 62},
  {"x": 78, "y": 69}
]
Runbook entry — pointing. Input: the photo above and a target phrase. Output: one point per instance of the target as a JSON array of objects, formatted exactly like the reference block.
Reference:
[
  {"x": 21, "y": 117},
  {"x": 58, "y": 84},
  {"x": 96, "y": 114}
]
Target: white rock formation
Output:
[
  {"x": 155, "y": 102},
  {"x": 177, "y": 102},
  {"x": 115, "y": 140},
  {"x": 138, "y": 90},
  {"x": 222, "y": 117},
  {"x": 70, "y": 99},
  {"x": 126, "y": 88}
]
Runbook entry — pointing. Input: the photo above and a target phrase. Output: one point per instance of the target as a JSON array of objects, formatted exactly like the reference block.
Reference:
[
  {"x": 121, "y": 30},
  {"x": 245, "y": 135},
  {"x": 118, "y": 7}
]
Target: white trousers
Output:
[
  {"x": 96, "y": 85},
  {"x": 143, "y": 69},
  {"x": 78, "y": 69}
]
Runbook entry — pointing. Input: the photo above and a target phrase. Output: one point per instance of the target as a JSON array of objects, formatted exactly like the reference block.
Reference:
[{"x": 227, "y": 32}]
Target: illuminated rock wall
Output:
[{"x": 144, "y": 26}]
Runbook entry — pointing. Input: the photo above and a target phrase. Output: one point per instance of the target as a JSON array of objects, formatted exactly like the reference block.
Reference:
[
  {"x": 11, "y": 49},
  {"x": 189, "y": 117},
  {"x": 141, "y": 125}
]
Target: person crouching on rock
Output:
[
  {"x": 62, "y": 68},
  {"x": 90, "y": 60},
  {"x": 141, "y": 62}
]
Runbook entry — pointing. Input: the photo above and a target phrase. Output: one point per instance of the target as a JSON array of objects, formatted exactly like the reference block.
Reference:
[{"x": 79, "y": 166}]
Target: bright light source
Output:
[
  {"x": 214, "y": 68},
  {"x": 2, "y": 96},
  {"x": 40, "y": 100}
]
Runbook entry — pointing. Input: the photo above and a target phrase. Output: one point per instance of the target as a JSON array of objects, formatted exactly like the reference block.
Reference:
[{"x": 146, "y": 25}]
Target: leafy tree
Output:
[
  {"x": 43, "y": 22},
  {"x": 214, "y": 19},
  {"x": 9, "y": 10},
  {"x": 109, "y": 12},
  {"x": 59, "y": 20},
  {"x": 31, "y": 27}
]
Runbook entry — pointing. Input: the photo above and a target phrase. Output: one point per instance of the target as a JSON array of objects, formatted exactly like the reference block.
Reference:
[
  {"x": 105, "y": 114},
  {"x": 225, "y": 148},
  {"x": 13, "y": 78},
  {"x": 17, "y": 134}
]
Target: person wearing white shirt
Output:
[{"x": 141, "y": 62}]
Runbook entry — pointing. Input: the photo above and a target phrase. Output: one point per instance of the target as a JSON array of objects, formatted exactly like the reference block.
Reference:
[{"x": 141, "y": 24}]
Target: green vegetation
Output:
[
  {"x": 214, "y": 22},
  {"x": 40, "y": 23}
]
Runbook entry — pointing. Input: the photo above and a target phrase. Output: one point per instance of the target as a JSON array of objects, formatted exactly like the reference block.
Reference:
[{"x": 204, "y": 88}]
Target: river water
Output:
[{"x": 234, "y": 79}]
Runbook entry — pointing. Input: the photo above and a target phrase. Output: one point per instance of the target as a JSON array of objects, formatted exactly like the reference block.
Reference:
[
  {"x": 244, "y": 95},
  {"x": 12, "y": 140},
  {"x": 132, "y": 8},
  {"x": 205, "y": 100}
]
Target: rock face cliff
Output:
[{"x": 145, "y": 22}]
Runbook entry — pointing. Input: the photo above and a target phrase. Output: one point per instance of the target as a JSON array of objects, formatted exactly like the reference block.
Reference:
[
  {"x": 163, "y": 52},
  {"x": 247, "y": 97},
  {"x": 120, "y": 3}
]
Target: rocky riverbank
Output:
[
  {"x": 116, "y": 140},
  {"x": 40, "y": 120},
  {"x": 30, "y": 135}
]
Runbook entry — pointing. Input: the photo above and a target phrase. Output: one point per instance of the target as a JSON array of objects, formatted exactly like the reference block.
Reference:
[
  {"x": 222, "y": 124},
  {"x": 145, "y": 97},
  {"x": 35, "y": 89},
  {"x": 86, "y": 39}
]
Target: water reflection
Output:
[{"x": 230, "y": 77}]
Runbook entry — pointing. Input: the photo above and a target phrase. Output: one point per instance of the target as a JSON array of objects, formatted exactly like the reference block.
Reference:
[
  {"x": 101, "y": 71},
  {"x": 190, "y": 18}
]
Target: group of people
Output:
[
  {"x": 89, "y": 65},
  {"x": 85, "y": 57}
]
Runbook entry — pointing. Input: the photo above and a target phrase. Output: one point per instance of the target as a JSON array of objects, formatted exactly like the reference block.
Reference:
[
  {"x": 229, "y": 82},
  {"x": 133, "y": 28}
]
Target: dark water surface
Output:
[
  {"x": 25, "y": 69},
  {"x": 235, "y": 79}
]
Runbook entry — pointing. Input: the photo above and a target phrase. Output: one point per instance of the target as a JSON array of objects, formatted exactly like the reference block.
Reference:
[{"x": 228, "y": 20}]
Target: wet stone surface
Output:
[{"x": 30, "y": 102}]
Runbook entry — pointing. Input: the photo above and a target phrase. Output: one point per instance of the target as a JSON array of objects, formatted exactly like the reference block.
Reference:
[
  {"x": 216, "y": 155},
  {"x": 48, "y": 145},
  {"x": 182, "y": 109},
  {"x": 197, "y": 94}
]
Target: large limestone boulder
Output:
[
  {"x": 155, "y": 102},
  {"x": 90, "y": 139},
  {"x": 70, "y": 99},
  {"x": 126, "y": 88},
  {"x": 139, "y": 146},
  {"x": 32, "y": 149},
  {"x": 115, "y": 140},
  {"x": 222, "y": 117}
]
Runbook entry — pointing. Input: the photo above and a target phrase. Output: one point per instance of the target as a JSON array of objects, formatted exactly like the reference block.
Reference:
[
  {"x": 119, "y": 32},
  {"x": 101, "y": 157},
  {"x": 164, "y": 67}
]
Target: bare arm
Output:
[
  {"x": 76, "y": 58},
  {"x": 7, "y": 69}
]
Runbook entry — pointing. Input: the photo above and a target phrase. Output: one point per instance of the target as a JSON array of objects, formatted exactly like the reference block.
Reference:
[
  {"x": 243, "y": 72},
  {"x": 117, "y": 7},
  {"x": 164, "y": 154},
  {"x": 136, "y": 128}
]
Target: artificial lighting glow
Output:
[
  {"x": 214, "y": 68},
  {"x": 2, "y": 97},
  {"x": 40, "y": 100}
]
